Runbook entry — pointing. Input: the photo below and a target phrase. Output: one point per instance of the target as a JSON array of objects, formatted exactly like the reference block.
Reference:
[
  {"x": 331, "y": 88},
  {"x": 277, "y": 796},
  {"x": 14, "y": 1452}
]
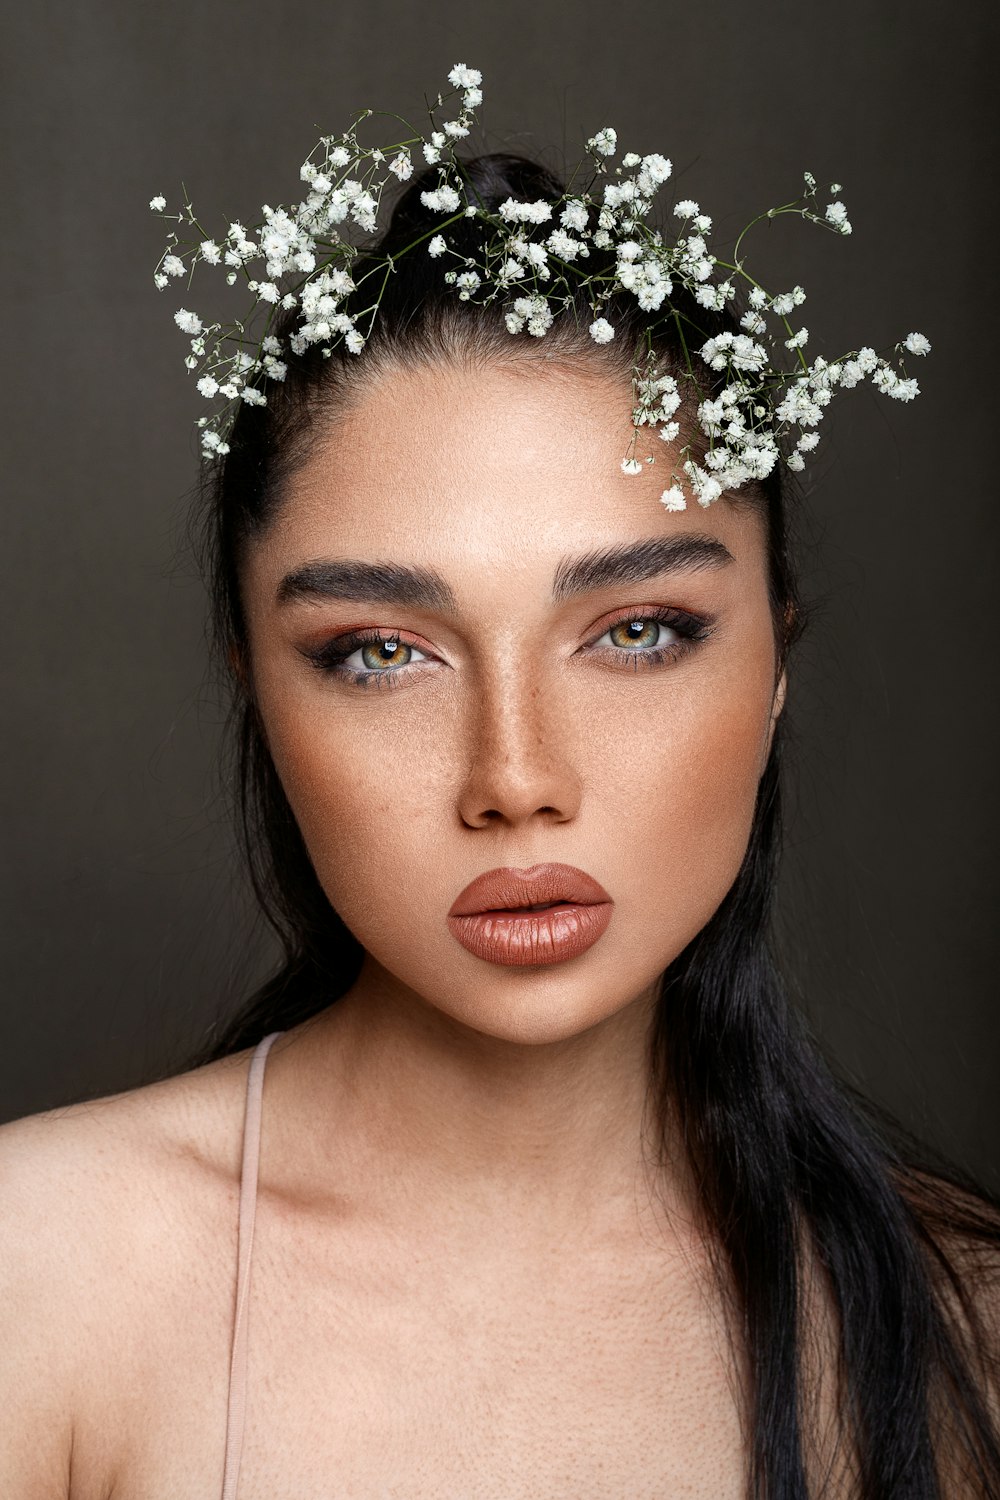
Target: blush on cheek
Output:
[
  {"x": 698, "y": 830},
  {"x": 364, "y": 830}
]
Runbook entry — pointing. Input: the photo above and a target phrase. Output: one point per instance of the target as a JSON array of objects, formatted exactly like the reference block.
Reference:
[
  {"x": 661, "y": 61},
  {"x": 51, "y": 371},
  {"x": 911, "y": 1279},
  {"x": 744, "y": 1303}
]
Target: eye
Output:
[
  {"x": 366, "y": 657},
  {"x": 384, "y": 659},
  {"x": 651, "y": 637}
]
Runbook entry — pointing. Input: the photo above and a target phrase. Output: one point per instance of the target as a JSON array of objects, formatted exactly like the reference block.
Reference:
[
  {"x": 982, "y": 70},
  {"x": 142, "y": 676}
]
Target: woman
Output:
[{"x": 548, "y": 1202}]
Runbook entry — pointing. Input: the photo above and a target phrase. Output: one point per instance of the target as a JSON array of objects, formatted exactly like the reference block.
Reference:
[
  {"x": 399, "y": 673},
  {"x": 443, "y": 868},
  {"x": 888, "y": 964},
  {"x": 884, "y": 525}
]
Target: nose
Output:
[{"x": 520, "y": 754}]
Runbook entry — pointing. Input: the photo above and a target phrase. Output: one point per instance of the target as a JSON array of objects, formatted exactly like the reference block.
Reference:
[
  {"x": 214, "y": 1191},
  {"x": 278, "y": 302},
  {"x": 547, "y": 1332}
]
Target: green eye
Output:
[
  {"x": 640, "y": 632},
  {"x": 391, "y": 653}
]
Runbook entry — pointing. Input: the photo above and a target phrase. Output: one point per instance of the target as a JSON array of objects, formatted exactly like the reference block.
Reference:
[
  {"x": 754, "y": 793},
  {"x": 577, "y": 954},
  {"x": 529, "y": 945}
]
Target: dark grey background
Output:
[{"x": 127, "y": 923}]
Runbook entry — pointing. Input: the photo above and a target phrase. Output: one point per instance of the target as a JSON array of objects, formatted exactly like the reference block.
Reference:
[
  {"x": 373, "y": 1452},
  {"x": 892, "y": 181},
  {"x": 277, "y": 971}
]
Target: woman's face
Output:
[{"x": 527, "y": 702}]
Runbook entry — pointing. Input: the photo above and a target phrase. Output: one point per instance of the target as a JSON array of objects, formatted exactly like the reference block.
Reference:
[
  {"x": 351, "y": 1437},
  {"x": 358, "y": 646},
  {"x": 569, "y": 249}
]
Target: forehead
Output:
[{"x": 492, "y": 469}]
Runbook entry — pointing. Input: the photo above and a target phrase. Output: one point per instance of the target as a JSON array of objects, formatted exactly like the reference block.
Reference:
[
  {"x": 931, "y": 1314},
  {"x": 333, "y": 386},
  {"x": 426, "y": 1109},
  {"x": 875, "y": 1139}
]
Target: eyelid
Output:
[
  {"x": 363, "y": 635},
  {"x": 686, "y": 620}
]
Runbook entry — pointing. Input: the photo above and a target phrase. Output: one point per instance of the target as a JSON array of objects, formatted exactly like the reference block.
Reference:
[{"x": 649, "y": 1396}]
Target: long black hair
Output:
[{"x": 793, "y": 1170}]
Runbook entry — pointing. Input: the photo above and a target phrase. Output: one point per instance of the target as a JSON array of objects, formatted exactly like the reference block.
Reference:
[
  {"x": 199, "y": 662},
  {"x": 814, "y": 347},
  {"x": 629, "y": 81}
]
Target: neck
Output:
[{"x": 387, "y": 1101}]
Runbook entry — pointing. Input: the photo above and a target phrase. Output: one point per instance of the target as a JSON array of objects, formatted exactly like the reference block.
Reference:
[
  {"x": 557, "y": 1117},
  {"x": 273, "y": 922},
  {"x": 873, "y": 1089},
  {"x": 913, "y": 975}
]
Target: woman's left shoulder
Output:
[{"x": 959, "y": 1226}]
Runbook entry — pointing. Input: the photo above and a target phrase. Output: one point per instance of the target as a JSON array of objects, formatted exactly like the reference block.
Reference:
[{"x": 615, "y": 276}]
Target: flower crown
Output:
[{"x": 765, "y": 409}]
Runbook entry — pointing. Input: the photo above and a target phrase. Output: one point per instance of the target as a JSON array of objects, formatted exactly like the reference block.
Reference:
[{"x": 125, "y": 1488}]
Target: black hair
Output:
[{"x": 792, "y": 1168}]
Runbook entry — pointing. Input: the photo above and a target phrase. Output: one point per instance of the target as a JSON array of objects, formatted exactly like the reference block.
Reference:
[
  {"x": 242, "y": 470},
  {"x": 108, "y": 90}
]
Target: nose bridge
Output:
[{"x": 519, "y": 760}]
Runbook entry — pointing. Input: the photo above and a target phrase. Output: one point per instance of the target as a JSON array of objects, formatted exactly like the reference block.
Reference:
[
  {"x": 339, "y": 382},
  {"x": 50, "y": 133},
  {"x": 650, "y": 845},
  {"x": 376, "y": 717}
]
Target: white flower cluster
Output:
[
  {"x": 306, "y": 260},
  {"x": 758, "y": 400}
]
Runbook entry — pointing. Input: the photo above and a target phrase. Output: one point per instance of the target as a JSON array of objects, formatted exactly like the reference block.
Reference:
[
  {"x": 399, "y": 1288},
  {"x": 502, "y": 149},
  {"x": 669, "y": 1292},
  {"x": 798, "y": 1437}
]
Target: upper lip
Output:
[{"x": 507, "y": 888}]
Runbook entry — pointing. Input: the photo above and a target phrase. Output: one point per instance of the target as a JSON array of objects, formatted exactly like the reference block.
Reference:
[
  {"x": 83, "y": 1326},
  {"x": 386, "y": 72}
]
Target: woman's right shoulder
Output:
[{"x": 103, "y": 1206}]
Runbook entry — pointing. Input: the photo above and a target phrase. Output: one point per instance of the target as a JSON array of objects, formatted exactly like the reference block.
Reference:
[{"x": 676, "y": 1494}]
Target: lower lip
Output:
[{"x": 532, "y": 937}]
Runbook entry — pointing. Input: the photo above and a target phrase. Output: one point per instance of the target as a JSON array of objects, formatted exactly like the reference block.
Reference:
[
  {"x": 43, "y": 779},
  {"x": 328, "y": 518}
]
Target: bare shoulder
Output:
[
  {"x": 961, "y": 1228},
  {"x": 105, "y": 1206}
]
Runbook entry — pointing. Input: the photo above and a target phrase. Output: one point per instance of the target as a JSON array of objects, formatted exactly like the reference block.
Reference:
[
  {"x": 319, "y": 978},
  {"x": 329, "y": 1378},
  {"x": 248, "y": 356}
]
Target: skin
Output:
[
  {"x": 459, "y": 1232},
  {"x": 515, "y": 739}
]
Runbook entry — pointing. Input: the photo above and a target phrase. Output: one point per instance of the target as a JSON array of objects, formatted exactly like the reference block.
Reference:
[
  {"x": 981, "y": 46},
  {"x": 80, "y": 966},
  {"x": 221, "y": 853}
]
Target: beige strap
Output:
[{"x": 237, "y": 1405}]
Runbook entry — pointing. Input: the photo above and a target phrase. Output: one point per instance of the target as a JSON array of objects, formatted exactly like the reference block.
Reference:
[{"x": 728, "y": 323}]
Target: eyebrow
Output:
[{"x": 423, "y": 588}]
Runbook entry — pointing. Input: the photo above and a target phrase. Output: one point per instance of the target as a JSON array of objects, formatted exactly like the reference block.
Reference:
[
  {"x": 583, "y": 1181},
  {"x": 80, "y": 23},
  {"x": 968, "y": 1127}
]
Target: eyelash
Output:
[{"x": 330, "y": 657}]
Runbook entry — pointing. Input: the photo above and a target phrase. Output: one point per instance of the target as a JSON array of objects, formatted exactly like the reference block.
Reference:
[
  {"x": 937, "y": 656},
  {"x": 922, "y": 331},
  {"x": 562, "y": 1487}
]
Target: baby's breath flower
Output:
[
  {"x": 532, "y": 313},
  {"x": 538, "y": 256},
  {"x": 173, "y": 265},
  {"x": 673, "y": 498},
  {"x": 574, "y": 216},
  {"x": 631, "y": 466},
  {"x": 601, "y": 331},
  {"x": 467, "y": 282},
  {"x": 445, "y": 199},
  {"x": 525, "y": 213},
  {"x": 401, "y": 166},
  {"x": 605, "y": 142},
  {"x": 564, "y": 245},
  {"x": 158, "y": 204},
  {"x": 437, "y": 246},
  {"x": 706, "y": 488},
  {"x": 753, "y": 322},
  {"x": 463, "y": 77},
  {"x": 187, "y": 322},
  {"x": 655, "y": 171},
  {"x": 915, "y": 343},
  {"x": 836, "y": 214}
]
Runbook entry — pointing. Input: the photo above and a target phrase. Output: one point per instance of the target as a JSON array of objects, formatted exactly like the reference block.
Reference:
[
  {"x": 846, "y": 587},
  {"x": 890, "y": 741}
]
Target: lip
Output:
[{"x": 484, "y": 917}]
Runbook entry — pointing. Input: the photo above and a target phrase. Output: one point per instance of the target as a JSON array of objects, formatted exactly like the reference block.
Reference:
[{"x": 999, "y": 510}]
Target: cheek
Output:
[
  {"x": 680, "y": 788},
  {"x": 368, "y": 785}
]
